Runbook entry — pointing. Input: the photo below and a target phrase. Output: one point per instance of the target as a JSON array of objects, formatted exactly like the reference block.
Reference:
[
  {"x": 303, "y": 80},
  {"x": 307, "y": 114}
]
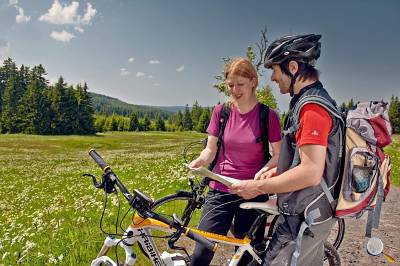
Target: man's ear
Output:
[{"x": 293, "y": 67}]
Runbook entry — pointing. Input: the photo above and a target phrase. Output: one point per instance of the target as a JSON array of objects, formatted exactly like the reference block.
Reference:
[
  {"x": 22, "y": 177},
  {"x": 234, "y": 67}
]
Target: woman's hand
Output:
[
  {"x": 246, "y": 189},
  {"x": 198, "y": 162},
  {"x": 265, "y": 173}
]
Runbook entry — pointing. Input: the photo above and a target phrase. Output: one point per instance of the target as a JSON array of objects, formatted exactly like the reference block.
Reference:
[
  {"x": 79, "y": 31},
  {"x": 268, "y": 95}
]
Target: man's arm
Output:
[{"x": 308, "y": 173}]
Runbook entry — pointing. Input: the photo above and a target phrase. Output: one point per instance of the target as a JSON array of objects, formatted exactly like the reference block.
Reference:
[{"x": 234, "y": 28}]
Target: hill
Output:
[{"x": 103, "y": 104}]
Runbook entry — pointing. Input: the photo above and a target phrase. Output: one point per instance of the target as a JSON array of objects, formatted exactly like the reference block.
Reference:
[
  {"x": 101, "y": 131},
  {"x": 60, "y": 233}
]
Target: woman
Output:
[{"x": 241, "y": 157}]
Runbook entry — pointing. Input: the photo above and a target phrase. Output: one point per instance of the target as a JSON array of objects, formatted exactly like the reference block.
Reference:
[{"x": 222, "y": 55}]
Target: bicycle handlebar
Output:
[
  {"x": 188, "y": 232},
  {"x": 97, "y": 158}
]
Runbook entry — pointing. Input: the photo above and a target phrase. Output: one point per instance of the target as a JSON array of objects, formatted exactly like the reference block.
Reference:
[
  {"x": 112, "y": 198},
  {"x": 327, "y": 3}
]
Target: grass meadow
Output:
[{"x": 49, "y": 212}]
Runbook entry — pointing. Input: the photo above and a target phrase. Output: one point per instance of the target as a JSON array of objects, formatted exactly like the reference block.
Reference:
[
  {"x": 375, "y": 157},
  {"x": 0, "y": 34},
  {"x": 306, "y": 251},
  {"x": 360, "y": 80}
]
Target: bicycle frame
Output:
[{"x": 139, "y": 231}]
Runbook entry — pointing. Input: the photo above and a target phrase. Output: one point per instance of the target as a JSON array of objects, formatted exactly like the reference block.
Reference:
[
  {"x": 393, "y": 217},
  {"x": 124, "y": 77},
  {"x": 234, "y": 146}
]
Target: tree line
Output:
[
  {"x": 28, "y": 104},
  {"x": 195, "y": 118}
]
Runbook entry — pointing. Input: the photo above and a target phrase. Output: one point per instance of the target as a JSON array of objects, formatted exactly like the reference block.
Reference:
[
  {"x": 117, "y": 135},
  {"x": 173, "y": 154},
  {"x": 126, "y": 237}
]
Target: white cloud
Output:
[
  {"x": 150, "y": 77},
  {"x": 131, "y": 59},
  {"x": 12, "y": 2},
  {"x": 180, "y": 69},
  {"x": 77, "y": 28},
  {"x": 124, "y": 72},
  {"x": 4, "y": 47},
  {"x": 139, "y": 74},
  {"x": 58, "y": 14},
  {"x": 154, "y": 62},
  {"x": 20, "y": 18},
  {"x": 68, "y": 14},
  {"x": 89, "y": 14},
  {"x": 156, "y": 84},
  {"x": 62, "y": 36}
]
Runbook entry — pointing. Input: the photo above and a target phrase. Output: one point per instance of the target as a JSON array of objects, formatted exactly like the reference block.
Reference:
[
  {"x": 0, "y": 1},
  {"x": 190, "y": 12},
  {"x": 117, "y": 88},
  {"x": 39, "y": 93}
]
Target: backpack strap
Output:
[
  {"x": 296, "y": 124},
  {"x": 223, "y": 119},
  {"x": 264, "y": 130}
]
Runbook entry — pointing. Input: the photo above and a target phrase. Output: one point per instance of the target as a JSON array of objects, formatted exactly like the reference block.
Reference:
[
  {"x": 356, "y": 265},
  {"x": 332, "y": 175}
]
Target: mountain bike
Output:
[
  {"x": 187, "y": 204},
  {"x": 145, "y": 220}
]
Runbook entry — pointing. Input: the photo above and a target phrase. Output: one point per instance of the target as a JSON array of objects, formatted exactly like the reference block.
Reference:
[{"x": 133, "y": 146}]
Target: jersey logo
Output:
[{"x": 314, "y": 133}]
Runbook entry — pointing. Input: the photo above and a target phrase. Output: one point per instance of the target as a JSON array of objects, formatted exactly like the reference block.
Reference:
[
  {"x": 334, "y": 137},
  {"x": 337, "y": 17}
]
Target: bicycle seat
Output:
[
  {"x": 267, "y": 207},
  {"x": 145, "y": 199}
]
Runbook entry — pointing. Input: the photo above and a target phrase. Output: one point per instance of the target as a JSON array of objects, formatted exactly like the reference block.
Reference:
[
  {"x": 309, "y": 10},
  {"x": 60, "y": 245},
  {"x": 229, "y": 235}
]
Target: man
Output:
[{"x": 309, "y": 162}]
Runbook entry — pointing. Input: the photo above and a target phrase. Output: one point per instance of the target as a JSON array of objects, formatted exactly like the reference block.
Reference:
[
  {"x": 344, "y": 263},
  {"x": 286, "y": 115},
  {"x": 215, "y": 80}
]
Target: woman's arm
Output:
[{"x": 207, "y": 155}]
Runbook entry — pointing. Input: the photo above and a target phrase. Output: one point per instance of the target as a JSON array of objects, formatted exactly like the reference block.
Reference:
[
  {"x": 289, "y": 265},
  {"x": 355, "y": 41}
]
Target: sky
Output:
[{"x": 167, "y": 53}]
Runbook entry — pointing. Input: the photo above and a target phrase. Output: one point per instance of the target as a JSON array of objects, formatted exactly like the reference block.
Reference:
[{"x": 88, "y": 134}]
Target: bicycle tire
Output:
[{"x": 168, "y": 205}]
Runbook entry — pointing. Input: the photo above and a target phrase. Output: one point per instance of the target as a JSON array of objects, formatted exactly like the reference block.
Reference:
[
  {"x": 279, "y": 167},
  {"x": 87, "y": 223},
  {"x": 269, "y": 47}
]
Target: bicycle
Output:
[
  {"x": 145, "y": 219},
  {"x": 185, "y": 203}
]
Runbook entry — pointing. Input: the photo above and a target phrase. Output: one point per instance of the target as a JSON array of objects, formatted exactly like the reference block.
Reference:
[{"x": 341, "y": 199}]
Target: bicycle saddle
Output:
[{"x": 267, "y": 207}]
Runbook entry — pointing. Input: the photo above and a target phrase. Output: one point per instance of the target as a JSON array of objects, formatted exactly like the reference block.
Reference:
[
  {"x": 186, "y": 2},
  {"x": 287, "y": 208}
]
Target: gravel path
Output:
[{"x": 352, "y": 250}]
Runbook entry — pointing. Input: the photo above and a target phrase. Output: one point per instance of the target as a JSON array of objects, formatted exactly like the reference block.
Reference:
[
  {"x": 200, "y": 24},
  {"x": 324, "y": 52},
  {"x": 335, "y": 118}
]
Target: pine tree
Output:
[
  {"x": 179, "y": 121},
  {"x": 11, "y": 98},
  {"x": 394, "y": 114},
  {"x": 195, "y": 114},
  {"x": 100, "y": 122},
  {"x": 159, "y": 123},
  {"x": 144, "y": 123},
  {"x": 204, "y": 120},
  {"x": 85, "y": 111},
  {"x": 134, "y": 122},
  {"x": 187, "y": 120}
]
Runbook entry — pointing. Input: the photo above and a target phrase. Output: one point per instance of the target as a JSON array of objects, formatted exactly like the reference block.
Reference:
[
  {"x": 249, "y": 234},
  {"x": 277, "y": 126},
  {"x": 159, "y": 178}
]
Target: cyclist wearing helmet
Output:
[{"x": 308, "y": 166}]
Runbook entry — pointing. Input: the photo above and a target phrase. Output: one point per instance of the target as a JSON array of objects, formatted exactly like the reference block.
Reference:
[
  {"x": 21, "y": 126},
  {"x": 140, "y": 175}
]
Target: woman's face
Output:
[{"x": 241, "y": 88}]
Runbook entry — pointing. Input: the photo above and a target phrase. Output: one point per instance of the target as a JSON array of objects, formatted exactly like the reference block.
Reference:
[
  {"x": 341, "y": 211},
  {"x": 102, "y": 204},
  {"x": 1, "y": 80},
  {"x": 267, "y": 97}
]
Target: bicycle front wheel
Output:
[{"x": 180, "y": 204}]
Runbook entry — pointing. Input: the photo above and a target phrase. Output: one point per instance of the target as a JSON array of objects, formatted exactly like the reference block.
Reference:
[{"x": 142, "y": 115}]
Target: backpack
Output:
[
  {"x": 263, "y": 120},
  {"x": 364, "y": 182}
]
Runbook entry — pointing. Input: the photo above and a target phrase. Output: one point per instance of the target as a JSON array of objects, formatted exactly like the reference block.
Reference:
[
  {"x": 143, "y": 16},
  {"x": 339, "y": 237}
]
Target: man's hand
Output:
[
  {"x": 246, "y": 189},
  {"x": 265, "y": 173}
]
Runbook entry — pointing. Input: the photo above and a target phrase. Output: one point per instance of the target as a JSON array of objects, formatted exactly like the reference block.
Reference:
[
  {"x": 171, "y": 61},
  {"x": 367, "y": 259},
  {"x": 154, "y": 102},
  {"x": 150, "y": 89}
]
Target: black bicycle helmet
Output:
[{"x": 301, "y": 48}]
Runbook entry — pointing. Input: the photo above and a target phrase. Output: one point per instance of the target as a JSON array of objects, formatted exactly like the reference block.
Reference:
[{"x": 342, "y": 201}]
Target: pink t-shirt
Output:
[{"x": 243, "y": 156}]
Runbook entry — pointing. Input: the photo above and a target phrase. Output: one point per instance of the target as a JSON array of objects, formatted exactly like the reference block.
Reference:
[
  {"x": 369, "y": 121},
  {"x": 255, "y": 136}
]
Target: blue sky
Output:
[{"x": 167, "y": 52}]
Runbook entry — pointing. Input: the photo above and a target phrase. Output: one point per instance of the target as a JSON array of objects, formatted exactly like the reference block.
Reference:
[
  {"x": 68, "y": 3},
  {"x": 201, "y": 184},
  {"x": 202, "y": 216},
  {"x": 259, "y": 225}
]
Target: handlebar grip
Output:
[
  {"x": 200, "y": 239},
  {"x": 97, "y": 158}
]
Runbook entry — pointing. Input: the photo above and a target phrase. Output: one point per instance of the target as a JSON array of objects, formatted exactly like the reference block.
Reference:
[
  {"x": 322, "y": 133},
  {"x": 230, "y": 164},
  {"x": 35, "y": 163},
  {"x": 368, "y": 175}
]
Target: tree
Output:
[
  {"x": 179, "y": 121},
  {"x": 133, "y": 122},
  {"x": 204, "y": 120},
  {"x": 145, "y": 123},
  {"x": 159, "y": 123},
  {"x": 10, "y": 117},
  {"x": 187, "y": 119},
  {"x": 85, "y": 111},
  {"x": 265, "y": 96},
  {"x": 100, "y": 122},
  {"x": 195, "y": 114},
  {"x": 394, "y": 114}
]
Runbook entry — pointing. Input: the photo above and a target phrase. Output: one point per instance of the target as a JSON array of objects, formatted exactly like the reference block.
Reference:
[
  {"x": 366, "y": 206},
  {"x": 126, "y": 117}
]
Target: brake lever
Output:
[
  {"x": 175, "y": 237},
  {"x": 94, "y": 179}
]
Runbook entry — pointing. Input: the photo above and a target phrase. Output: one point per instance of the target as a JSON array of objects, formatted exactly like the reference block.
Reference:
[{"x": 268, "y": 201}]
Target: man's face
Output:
[{"x": 281, "y": 79}]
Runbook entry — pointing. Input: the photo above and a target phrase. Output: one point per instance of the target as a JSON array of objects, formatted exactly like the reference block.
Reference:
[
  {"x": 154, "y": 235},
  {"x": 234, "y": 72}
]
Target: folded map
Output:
[{"x": 202, "y": 171}]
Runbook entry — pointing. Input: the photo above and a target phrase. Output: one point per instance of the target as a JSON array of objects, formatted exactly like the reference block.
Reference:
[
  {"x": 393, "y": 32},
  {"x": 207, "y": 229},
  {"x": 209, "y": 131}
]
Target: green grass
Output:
[
  {"x": 394, "y": 152},
  {"x": 49, "y": 213}
]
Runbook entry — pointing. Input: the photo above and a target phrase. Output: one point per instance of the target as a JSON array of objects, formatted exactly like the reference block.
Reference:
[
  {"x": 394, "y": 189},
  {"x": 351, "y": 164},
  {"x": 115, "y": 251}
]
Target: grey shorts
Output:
[{"x": 283, "y": 243}]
